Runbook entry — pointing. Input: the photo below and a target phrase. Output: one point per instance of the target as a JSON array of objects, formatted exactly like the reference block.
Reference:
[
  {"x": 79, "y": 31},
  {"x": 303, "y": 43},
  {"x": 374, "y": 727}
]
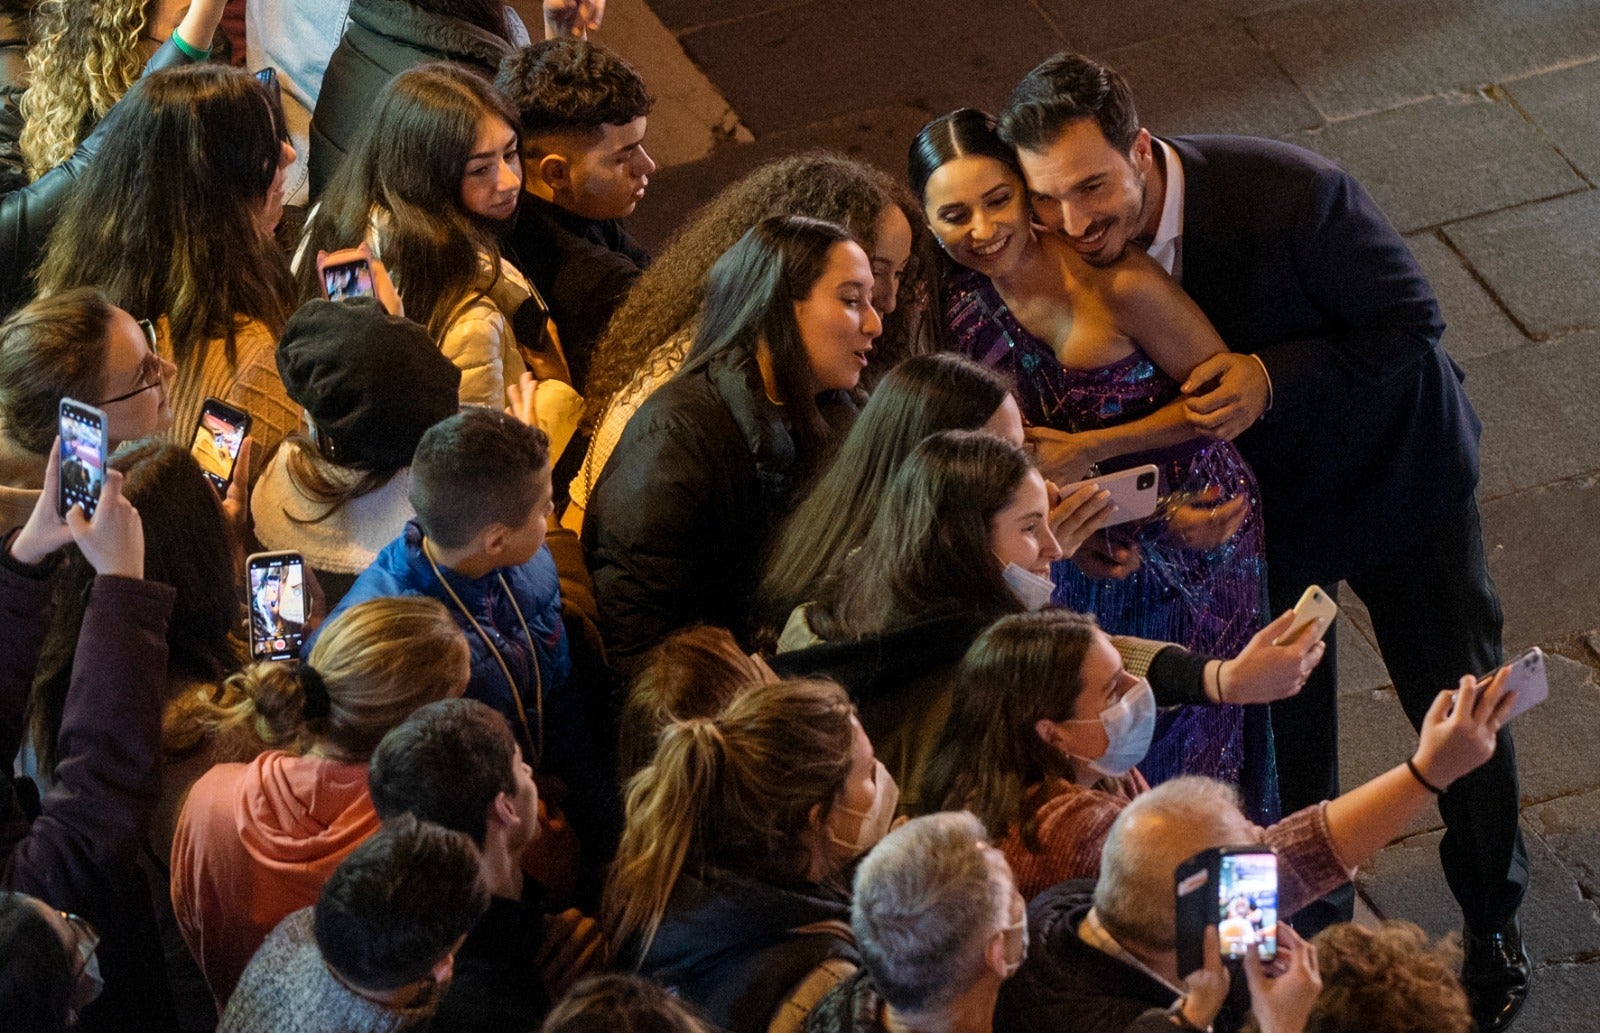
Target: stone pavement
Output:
[{"x": 1476, "y": 124}]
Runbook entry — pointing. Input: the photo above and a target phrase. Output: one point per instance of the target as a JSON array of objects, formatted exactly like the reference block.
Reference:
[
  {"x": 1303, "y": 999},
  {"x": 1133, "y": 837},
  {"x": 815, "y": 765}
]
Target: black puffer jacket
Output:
[
  {"x": 27, "y": 215},
  {"x": 679, "y": 518},
  {"x": 383, "y": 39}
]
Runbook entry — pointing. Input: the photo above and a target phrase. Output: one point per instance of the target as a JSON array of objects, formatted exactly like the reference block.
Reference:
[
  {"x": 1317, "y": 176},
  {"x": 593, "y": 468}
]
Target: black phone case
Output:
[{"x": 1197, "y": 908}]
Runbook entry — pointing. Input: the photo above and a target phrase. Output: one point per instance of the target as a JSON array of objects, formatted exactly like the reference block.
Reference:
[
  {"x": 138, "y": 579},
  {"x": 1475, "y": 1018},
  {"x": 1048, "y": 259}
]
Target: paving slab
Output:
[
  {"x": 879, "y": 137},
  {"x": 1358, "y": 56},
  {"x": 1539, "y": 260},
  {"x": 682, "y": 15},
  {"x": 1571, "y": 825},
  {"x": 1562, "y": 1000},
  {"x": 1374, "y": 736},
  {"x": 1543, "y": 558},
  {"x": 1538, "y": 406},
  {"x": 1555, "y": 740},
  {"x": 1475, "y": 324},
  {"x": 1447, "y": 159},
  {"x": 1558, "y": 921},
  {"x": 1094, "y": 28},
  {"x": 1565, "y": 104},
  {"x": 947, "y": 57},
  {"x": 1212, "y": 80},
  {"x": 1361, "y": 669}
]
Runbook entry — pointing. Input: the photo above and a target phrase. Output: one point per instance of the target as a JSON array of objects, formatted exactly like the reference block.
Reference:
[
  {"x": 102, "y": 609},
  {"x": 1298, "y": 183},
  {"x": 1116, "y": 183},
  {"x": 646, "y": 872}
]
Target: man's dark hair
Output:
[
  {"x": 1062, "y": 90},
  {"x": 572, "y": 86},
  {"x": 399, "y": 903},
  {"x": 474, "y": 469},
  {"x": 445, "y": 763}
]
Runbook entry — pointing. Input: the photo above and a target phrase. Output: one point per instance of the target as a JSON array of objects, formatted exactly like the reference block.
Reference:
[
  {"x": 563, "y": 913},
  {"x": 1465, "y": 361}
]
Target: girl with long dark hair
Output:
[
  {"x": 681, "y": 515},
  {"x": 187, "y": 244},
  {"x": 434, "y": 173}
]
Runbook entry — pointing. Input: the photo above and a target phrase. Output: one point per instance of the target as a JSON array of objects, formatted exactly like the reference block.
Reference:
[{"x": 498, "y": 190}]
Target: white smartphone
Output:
[
  {"x": 1526, "y": 677},
  {"x": 1315, "y": 607},
  {"x": 1134, "y": 492}
]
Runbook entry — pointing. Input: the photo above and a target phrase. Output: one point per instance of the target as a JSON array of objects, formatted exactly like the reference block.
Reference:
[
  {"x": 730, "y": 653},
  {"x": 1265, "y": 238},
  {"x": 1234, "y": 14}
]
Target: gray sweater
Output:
[{"x": 289, "y": 989}]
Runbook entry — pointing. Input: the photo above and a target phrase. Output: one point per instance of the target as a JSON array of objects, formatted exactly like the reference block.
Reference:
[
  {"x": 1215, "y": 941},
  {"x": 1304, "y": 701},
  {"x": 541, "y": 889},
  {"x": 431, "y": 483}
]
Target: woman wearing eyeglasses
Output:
[{"x": 43, "y": 359}]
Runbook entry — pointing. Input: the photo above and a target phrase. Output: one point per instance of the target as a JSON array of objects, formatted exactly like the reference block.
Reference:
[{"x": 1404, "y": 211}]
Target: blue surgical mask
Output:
[
  {"x": 1130, "y": 723},
  {"x": 1033, "y": 591}
]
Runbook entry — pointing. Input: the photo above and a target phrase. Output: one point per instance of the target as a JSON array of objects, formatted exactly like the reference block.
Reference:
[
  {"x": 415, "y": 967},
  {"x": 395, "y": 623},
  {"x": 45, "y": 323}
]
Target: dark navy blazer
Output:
[{"x": 1371, "y": 440}]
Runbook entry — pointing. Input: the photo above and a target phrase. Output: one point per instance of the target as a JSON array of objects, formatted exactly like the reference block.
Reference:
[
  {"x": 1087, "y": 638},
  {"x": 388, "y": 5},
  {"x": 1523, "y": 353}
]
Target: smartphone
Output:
[
  {"x": 84, "y": 448},
  {"x": 346, "y": 274},
  {"x": 277, "y": 597},
  {"x": 1315, "y": 607},
  {"x": 1194, "y": 883},
  {"x": 1247, "y": 901},
  {"x": 1134, "y": 492},
  {"x": 1526, "y": 677},
  {"x": 218, "y": 436}
]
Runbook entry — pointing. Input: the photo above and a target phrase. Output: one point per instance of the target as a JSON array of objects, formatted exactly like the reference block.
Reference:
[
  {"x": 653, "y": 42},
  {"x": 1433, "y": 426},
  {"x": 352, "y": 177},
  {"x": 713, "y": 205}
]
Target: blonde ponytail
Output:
[{"x": 735, "y": 792}]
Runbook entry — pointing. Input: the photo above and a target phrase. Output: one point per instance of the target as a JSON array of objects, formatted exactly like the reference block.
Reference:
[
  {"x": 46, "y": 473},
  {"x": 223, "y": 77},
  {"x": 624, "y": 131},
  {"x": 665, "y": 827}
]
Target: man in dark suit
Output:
[{"x": 1352, "y": 415}]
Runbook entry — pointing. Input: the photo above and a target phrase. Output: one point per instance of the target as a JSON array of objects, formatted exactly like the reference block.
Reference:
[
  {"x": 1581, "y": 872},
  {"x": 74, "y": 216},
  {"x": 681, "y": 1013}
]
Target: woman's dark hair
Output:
[
  {"x": 36, "y": 979},
  {"x": 750, "y": 296},
  {"x": 44, "y": 357},
  {"x": 186, "y": 546},
  {"x": 166, "y": 219},
  {"x": 404, "y": 171},
  {"x": 488, "y": 15},
  {"x": 1024, "y": 668},
  {"x": 962, "y": 133},
  {"x": 928, "y": 551},
  {"x": 924, "y": 394},
  {"x": 666, "y": 300}
]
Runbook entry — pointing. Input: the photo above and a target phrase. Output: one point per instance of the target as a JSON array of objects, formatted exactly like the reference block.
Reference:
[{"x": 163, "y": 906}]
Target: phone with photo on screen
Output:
[
  {"x": 1247, "y": 901},
  {"x": 83, "y": 456},
  {"x": 276, "y": 591},
  {"x": 218, "y": 436},
  {"x": 346, "y": 274}
]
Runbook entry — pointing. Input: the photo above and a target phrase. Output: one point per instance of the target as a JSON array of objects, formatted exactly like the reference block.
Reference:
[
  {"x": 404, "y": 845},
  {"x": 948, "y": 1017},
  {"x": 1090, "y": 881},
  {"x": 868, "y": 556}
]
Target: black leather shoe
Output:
[{"x": 1496, "y": 972}]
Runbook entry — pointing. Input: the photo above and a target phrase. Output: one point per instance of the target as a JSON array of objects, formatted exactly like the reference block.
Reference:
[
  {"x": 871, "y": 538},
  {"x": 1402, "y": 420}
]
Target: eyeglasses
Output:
[
  {"x": 85, "y": 941},
  {"x": 149, "y": 367}
]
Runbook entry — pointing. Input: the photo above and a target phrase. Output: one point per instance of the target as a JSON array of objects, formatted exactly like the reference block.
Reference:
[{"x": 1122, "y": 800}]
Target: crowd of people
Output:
[{"x": 754, "y": 636}]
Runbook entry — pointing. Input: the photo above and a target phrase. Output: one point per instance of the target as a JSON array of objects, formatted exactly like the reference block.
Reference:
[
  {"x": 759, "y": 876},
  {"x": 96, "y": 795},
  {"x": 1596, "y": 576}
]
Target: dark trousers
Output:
[{"x": 1436, "y": 616}]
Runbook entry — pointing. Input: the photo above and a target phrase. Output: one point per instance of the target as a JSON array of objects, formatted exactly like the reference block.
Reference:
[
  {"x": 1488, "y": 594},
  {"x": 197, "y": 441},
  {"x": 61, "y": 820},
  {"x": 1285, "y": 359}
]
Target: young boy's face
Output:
[
  {"x": 609, "y": 175},
  {"x": 524, "y": 542}
]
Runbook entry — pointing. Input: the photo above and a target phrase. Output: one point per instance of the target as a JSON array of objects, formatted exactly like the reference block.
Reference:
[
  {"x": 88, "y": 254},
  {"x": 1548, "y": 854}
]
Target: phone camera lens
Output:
[{"x": 1147, "y": 481}]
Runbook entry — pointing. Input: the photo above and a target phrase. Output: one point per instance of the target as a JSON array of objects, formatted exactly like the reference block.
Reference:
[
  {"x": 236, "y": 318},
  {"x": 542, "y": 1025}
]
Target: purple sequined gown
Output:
[{"x": 1211, "y": 601}]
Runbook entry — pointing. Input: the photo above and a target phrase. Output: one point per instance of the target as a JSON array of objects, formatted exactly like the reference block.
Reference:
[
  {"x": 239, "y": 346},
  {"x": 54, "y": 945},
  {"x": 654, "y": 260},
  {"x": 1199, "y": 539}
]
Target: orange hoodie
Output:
[{"x": 255, "y": 842}]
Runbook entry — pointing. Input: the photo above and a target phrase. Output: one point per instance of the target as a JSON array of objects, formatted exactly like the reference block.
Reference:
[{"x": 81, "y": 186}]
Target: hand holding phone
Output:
[
  {"x": 1134, "y": 492},
  {"x": 357, "y": 273},
  {"x": 1526, "y": 679},
  {"x": 1315, "y": 608},
  {"x": 83, "y": 449},
  {"x": 1458, "y": 731},
  {"x": 113, "y": 539},
  {"x": 1235, "y": 890},
  {"x": 218, "y": 437},
  {"x": 276, "y": 590}
]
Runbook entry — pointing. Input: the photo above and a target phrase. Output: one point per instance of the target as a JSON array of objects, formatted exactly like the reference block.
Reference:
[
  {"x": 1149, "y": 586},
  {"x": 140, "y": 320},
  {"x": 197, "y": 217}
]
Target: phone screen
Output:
[
  {"x": 348, "y": 280},
  {"x": 217, "y": 440},
  {"x": 277, "y": 606},
  {"x": 1247, "y": 899},
  {"x": 83, "y": 456}
]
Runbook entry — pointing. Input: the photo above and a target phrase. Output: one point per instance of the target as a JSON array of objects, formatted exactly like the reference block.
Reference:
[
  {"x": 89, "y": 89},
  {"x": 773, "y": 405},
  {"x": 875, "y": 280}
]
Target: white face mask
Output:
[
  {"x": 1130, "y": 723},
  {"x": 1032, "y": 590},
  {"x": 1014, "y": 962},
  {"x": 876, "y": 819}
]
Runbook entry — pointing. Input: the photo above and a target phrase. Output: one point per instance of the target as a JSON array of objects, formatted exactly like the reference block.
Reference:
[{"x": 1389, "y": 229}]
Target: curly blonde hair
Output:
[{"x": 84, "y": 57}]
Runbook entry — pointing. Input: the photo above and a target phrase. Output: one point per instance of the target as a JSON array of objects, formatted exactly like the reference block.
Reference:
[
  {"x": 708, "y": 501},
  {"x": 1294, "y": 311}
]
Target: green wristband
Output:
[{"x": 187, "y": 51}]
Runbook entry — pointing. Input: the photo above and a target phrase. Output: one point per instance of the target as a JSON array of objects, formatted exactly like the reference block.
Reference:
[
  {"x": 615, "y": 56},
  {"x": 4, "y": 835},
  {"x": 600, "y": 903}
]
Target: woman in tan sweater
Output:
[
  {"x": 195, "y": 256},
  {"x": 1047, "y": 725}
]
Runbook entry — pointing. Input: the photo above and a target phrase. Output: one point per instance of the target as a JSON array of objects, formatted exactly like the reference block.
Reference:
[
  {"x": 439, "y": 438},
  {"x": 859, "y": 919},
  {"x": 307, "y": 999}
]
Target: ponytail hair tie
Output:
[{"x": 318, "y": 703}]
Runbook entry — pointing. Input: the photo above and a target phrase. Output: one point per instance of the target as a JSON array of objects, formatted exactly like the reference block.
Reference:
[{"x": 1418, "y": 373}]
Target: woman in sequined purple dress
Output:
[{"x": 1108, "y": 394}]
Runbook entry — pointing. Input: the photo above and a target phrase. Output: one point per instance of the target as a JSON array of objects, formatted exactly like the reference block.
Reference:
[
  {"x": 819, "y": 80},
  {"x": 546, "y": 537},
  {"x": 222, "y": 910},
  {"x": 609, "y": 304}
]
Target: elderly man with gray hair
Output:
[
  {"x": 1105, "y": 952},
  {"x": 939, "y": 924}
]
